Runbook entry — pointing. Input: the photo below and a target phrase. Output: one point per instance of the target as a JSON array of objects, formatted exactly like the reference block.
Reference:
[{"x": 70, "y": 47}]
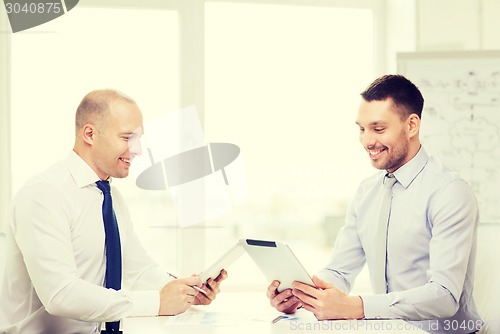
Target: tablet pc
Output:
[
  {"x": 277, "y": 262},
  {"x": 222, "y": 262}
]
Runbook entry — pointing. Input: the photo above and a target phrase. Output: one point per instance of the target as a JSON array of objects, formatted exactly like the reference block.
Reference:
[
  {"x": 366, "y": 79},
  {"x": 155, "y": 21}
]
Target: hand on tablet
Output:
[
  {"x": 282, "y": 301},
  {"x": 328, "y": 302},
  {"x": 211, "y": 287}
]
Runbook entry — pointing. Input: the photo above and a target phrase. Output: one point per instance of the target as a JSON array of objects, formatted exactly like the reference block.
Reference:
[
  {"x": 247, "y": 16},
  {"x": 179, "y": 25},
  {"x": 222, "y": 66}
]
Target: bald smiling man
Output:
[{"x": 55, "y": 277}]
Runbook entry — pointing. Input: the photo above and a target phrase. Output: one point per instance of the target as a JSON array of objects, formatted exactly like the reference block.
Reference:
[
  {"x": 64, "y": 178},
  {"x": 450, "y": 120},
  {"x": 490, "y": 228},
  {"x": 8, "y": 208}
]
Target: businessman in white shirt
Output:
[
  {"x": 421, "y": 258},
  {"x": 55, "y": 270}
]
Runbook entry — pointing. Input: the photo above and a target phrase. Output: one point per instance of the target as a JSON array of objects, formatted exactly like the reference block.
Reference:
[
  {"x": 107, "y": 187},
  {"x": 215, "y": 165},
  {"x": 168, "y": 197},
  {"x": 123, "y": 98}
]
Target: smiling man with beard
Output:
[{"x": 421, "y": 253}]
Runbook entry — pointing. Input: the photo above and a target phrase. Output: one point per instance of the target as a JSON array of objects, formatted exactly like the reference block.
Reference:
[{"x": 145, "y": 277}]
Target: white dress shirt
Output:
[
  {"x": 55, "y": 258},
  {"x": 431, "y": 247}
]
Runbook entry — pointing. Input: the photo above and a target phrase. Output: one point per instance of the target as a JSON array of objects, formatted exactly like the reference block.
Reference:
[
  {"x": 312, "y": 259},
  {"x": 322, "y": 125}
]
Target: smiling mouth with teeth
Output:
[
  {"x": 376, "y": 152},
  {"x": 125, "y": 160}
]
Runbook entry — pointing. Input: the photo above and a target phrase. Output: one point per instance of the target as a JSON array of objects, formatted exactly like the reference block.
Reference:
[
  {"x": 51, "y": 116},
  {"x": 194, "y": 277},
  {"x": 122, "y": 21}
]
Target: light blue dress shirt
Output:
[{"x": 431, "y": 247}]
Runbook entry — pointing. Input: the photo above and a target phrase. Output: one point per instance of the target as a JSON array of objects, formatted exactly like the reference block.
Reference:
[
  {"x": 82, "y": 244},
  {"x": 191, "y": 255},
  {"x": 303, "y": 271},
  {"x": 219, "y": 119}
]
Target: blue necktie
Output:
[{"x": 113, "y": 248}]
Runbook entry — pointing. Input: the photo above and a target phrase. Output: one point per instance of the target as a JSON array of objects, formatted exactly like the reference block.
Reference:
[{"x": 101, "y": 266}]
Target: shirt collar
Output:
[
  {"x": 409, "y": 171},
  {"x": 81, "y": 172}
]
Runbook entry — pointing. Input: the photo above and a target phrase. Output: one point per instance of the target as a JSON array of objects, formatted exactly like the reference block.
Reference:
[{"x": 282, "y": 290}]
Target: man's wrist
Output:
[{"x": 357, "y": 308}]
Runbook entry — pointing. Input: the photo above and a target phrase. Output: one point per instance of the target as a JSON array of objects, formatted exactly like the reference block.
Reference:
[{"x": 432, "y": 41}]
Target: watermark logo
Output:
[
  {"x": 341, "y": 326},
  {"x": 204, "y": 179},
  {"x": 28, "y": 14}
]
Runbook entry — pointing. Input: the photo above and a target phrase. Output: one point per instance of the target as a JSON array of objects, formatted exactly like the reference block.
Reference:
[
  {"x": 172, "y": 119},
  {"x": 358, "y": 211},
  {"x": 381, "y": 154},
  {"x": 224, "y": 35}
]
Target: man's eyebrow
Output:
[
  {"x": 375, "y": 123},
  {"x": 378, "y": 123},
  {"x": 131, "y": 133}
]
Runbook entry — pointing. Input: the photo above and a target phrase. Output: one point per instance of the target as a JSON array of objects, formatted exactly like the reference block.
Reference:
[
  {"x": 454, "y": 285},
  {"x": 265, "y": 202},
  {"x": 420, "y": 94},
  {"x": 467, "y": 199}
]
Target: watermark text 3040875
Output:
[{"x": 25, "y": 14}]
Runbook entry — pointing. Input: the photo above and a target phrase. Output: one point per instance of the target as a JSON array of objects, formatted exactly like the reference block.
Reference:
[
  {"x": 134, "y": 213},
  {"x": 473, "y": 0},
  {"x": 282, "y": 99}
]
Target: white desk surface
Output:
[{"x": 250, "y": 312}]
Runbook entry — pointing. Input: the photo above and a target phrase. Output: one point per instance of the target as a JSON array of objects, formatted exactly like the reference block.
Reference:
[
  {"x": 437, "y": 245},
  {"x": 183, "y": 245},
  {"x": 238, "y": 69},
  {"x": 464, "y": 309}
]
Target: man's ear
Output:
[
  {"x": 88, "y": 132},
  {"x": 413, "y": 123}
]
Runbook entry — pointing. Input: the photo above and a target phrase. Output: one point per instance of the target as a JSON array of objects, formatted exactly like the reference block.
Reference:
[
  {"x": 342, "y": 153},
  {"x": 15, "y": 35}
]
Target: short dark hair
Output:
[{"x": 404, "y": 94}]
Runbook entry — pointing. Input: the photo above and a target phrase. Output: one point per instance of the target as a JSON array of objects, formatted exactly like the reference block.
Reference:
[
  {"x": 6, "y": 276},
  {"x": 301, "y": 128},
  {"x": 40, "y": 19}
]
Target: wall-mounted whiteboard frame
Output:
[{"x": 461, "y": 117}]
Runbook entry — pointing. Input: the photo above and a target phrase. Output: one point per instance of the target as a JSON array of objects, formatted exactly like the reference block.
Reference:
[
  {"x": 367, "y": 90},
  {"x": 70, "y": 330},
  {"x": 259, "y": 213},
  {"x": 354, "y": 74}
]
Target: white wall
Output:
[
  {"x": 443, "y": 25},
  {"x": 453, "y": 25},
  {"x": 400, "y": 30}
]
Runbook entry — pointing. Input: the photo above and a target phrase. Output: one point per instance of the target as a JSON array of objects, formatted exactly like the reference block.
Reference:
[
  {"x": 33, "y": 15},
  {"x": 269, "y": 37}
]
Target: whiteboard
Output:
[{"x": 461, "y": 116}]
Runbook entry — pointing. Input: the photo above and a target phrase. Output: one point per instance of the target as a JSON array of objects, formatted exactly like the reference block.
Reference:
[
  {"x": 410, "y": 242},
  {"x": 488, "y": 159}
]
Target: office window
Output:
[{"x": 283, "y": 83}]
